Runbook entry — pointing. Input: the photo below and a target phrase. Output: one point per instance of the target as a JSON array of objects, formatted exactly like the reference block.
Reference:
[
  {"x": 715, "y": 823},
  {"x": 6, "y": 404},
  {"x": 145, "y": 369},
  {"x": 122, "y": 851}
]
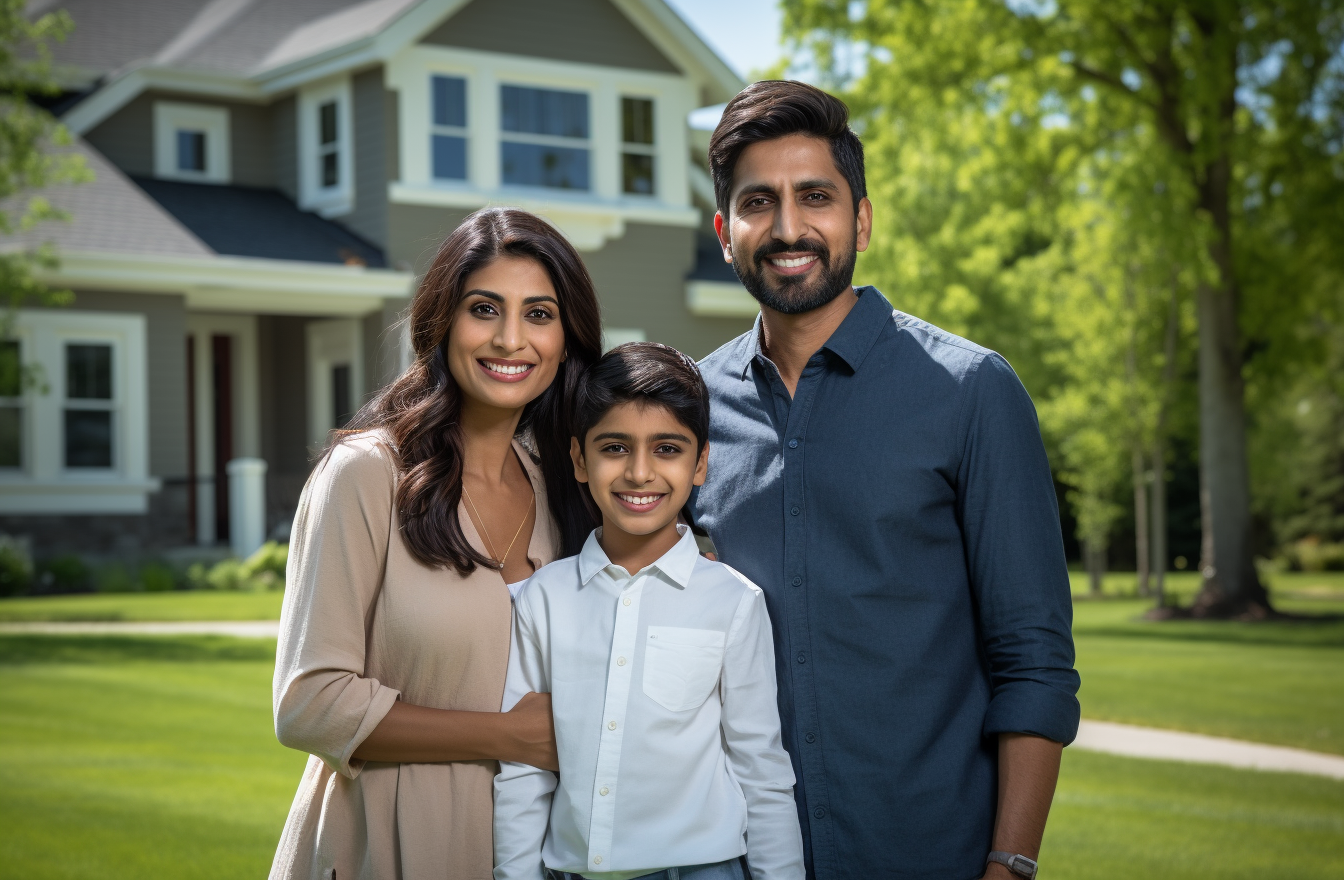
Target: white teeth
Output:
[
  {"x": 638, "y": 499},
  {"x": 794, "y": 263},
  {"x": 507, "y": 371}
]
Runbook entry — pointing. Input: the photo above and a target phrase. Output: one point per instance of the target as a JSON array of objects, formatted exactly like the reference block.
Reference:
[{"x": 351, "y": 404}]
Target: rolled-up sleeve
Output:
[
  {"x": 1015, "y": 557},
  {"x": 324, "y": 704}
]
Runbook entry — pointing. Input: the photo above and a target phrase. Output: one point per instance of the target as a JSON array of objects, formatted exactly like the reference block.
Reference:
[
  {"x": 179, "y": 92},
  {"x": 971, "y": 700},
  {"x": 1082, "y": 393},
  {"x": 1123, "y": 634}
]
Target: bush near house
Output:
[{"x": 263, "y": 570}]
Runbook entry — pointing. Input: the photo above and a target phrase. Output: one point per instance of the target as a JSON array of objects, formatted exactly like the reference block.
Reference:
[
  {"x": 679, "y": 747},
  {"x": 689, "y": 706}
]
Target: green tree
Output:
[
  {"x": 34, "y": 153},
  {"x": 1242, "y": 99}
]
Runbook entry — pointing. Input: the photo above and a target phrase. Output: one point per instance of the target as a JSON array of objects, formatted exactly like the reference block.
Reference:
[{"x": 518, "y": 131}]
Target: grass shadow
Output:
[{"x": 24, "y": 648}]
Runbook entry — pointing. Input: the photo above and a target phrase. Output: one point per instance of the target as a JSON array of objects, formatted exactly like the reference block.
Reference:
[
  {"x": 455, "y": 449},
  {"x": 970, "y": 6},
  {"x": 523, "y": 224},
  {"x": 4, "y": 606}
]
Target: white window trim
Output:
[
  {"x": 44, "y": 485},
  {"x": 169, "y": 117},
  {"x": 330, "y": 201},
  {"x": 332, "y": 343}
]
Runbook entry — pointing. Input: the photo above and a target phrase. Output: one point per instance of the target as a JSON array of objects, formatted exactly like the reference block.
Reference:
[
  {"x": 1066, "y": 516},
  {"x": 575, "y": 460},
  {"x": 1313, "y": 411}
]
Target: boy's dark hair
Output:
[
  {"x": 771, "y": 109},
  {"x": 646, "y": 373}
]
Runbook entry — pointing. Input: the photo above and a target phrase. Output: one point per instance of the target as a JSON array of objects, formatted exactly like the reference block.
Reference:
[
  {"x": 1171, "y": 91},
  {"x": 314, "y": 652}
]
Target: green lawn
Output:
[
  {"x": 132, "y": 757},
  {"x": 1123, "y": 817},
  {"x": 176, "y": 605},
  {"x": 139, "y": 757}
]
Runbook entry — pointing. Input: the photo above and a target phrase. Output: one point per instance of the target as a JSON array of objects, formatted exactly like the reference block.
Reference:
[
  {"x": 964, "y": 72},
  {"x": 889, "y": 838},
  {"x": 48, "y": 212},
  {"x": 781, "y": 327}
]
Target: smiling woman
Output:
[{"x": 394, "y": 638}]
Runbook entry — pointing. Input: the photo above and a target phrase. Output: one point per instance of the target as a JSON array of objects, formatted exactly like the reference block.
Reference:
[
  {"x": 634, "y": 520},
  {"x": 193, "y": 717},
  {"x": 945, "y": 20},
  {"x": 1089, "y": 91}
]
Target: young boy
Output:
[{"x": 659, "y": 663}]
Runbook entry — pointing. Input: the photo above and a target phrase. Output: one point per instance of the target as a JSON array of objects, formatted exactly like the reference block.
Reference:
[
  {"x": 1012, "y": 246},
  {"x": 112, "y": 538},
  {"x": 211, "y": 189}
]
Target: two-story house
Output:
[{"x": 271, "y": 175}]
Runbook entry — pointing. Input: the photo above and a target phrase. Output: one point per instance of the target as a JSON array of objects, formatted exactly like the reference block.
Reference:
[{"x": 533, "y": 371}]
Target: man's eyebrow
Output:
[
  {"x": 756, "y": 189},
  {"x": 816, "y": 183}
]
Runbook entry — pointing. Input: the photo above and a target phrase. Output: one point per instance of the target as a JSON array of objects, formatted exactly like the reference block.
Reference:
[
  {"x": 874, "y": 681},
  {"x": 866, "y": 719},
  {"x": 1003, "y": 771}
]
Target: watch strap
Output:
[{"x": 1018, "y": 864}]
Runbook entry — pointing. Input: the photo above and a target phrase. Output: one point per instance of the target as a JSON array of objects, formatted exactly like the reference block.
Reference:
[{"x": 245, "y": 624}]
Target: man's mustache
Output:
[{"x": 801, "y": 246}]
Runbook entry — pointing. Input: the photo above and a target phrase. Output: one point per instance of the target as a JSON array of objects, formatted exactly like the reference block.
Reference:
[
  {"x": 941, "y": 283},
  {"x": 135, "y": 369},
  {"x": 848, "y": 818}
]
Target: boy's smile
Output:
[{"x": 640, "y": 464}]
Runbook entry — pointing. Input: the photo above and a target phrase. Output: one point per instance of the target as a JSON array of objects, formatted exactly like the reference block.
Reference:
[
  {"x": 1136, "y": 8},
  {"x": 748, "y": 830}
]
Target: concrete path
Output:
[
  {"x": 1093, "y": 736},
  {"x": 246, "y": 629},
  {"x": 1171, "y": 745}
]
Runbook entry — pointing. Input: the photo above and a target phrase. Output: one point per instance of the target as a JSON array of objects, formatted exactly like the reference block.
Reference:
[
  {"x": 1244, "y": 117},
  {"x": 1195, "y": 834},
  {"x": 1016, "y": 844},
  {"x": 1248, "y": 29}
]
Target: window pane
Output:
[
  {"x": 88, "y": 372},
  {"x": 11, "y": 430},
  {"x": 544, "y": 111},
  {"x": 637, "y": 173},
  {"x": 331, "y": 174},
  {"x": 190, "y": 150},
  {"x": 450, "y": 101},
  {"x": 11, "y": 384},
  {"x": 326, "y": 115},
  {"x": 340, "y": 395},
  {"x": 538, "y": 165},
  {"x": 449, "y": 157},
  {"x": 88, "y": 438},
  {"x": 636, "y": 121}
]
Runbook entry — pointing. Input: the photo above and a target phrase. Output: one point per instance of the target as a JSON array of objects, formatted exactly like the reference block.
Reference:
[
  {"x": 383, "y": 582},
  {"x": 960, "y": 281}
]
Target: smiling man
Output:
[{"x": 885, "y": 484}]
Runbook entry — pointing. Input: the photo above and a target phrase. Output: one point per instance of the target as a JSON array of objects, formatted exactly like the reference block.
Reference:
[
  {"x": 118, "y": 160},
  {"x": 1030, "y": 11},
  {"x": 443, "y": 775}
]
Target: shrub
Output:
[
  {"x": 114, "y": 578},
  {"x": 64, "y": 574},
  {"x": 1313, "y": 554},
  {"x": 16, "y": 570},
  {"x": 226, "y": 575},
  {"x": 270, "y": 557},
  {"x": 157, "y": 577}
]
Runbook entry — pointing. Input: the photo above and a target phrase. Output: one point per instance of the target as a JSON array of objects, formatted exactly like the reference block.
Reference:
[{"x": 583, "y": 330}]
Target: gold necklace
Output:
[{"x": 490, "y": 545}]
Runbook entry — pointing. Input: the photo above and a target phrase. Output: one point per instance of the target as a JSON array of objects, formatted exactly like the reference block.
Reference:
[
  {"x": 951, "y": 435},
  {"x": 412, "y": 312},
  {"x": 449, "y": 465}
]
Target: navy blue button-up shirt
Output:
[{"x": 899, "y": 514}]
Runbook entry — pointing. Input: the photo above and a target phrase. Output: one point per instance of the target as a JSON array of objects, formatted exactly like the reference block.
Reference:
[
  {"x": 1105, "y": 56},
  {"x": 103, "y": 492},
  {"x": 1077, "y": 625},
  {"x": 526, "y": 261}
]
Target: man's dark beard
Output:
[{"x": 792, "y": 295}]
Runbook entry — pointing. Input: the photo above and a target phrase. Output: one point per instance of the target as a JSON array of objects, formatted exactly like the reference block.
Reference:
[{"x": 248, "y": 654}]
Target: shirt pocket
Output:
[{"x": 681, "y": 666}]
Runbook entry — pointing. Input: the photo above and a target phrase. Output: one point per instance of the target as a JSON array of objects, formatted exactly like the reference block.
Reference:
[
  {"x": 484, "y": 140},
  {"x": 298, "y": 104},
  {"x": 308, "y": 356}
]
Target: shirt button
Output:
[
  {"x": 819, "y": 812},
  {"x": 797, "y": 582},
  {"x": 625, "y": 601},
  {"x": 603, "y": 791},
  {"x": 793, "y": 444},
  {"x": 811, "y": 737},
  {"x": 611, "y": 725},
  {"x": 597, "y": 860},
  {"x": 795, "y": 511},
  {"x": 620, "y": 661},
  {"x": 802, "y": 658}
]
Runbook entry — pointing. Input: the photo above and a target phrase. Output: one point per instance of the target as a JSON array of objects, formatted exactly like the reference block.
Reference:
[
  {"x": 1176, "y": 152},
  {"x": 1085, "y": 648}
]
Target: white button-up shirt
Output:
[{"x": 663, "y": 690}]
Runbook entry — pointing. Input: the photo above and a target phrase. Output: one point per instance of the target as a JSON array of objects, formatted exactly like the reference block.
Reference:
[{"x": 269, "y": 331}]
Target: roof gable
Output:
[{"x": 585, "y": 31}]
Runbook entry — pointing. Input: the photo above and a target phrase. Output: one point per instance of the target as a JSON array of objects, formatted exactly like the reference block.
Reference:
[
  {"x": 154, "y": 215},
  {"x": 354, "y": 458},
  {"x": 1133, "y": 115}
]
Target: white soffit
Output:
[{"x": 720, "y": 299}]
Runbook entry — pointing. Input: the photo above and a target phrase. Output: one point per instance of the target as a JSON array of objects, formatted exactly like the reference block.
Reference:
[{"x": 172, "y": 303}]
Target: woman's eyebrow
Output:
[
  {"x": 488, "y": 294},
  {"x": 527, "y": 301}
]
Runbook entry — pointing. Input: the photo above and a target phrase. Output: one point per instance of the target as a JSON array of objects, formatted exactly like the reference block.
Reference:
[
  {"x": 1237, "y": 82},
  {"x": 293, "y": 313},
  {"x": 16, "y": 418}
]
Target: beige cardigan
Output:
[{"x": 363, "y": 625}]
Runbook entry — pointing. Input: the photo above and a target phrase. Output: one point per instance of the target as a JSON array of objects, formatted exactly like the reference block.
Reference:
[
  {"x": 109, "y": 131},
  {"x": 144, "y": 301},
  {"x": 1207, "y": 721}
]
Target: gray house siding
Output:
[
  {"x": 641, "y": 281},
  {"x": 369, "y": 215},
  {"x": 414, "y": 233},
  {"x": 285, "y": 140},
  {"x": 586, "y": 31},
  {"x": 126, "y": 137}
]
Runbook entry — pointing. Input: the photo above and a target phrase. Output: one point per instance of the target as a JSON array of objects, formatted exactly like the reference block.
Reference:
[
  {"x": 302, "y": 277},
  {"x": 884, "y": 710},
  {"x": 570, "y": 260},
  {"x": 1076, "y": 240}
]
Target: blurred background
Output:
[{"x": 212, "y": 217}]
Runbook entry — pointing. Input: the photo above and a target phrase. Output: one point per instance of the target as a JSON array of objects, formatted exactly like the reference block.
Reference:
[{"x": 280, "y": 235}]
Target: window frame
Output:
[
  {"x": 17, "y": 402},
  {"x": 171, "y": 117},
  {"x": 44, "y": 483},
  {"x": 338, "y": 199},
  {"x": 586, "y": 144},
  {"x": 639, "y": 149}
]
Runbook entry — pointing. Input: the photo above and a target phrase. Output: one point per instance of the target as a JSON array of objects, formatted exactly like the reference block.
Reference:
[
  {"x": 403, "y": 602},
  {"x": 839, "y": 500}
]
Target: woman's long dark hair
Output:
[{"x": 420, "y": 409}]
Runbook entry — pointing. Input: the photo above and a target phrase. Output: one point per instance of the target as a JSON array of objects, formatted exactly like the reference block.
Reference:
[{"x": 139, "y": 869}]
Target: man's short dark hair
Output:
[{"x": 771, "y": 109}]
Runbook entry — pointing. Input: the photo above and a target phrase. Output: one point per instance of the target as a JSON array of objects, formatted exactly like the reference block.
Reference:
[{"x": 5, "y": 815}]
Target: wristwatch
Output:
[{"x": 1019, "y": 865}]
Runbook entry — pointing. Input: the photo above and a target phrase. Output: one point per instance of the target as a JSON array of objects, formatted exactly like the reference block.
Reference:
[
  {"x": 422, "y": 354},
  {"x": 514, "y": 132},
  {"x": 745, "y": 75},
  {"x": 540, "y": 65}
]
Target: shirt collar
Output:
[
  {"x": 677, "y": 564},
  {"x": 850, "y": 342}
]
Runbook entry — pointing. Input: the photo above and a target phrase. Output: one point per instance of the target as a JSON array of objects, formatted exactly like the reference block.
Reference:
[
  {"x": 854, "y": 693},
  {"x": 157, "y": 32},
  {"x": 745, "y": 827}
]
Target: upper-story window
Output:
[
  {"x": 329, "y": 143},
  {"x": 448, "y": 138},
  {"x": 11, "y": 404},
  {"x": 637, "y": 146},
  {"x": 326, "y": 162},
  {"x": 191, "y": 142},
  {"x": 545, "y": 139}
]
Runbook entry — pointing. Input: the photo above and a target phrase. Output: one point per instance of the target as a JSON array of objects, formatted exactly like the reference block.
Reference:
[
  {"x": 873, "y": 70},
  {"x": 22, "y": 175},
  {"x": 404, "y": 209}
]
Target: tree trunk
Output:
[
  {"x": 1230, "y": 585},
  {"x": 1095, "y": 554},
  {"x": 1140, "y": 477},
  {"x": 1159, "y": 522}
]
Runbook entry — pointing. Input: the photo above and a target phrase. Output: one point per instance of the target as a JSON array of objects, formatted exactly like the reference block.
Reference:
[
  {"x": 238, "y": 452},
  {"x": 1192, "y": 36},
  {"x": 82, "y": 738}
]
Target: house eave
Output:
[{"x": 247, "y": 285}]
